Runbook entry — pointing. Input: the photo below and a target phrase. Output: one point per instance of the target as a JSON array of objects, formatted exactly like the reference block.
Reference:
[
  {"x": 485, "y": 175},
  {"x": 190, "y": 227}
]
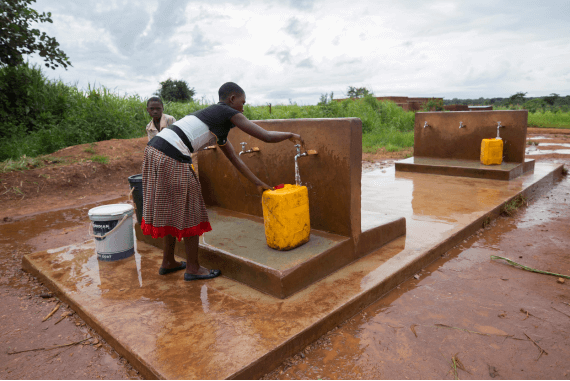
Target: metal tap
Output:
[
  {"x": 299, "y": 154},
  {"x": 425, "y": 124},
  {"x": 243, "y": 144},
  {"x": 499, "y": 126},
  {"x": 461, "y": 125}
]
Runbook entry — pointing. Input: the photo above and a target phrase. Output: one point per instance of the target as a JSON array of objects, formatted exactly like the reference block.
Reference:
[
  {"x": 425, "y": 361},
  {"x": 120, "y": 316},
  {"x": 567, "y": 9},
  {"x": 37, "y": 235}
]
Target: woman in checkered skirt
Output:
[{"x": 173, "y": 204}]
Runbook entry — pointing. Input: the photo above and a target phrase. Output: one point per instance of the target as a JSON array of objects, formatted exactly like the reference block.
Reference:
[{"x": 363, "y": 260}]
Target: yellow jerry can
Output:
[
  {"x": 491, "y": 151},
  {"x": 286, "y": 217}
]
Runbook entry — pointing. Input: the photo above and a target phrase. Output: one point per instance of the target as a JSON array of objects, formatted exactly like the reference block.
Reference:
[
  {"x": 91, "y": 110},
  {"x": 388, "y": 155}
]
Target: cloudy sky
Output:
[{"x": 296, "y": 50}]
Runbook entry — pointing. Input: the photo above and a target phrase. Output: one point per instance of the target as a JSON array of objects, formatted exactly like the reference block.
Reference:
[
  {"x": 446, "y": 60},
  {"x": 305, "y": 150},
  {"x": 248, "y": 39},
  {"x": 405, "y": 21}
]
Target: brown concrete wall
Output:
[
  {"x": 444, "y": 139},
  {"x": 480, "y": 108},
  {"x": 456, "y": 108},
  {"x": 332, "y": 177},
  {"x": 414, "y": 106},
  {"x": 404, "y": 106}
]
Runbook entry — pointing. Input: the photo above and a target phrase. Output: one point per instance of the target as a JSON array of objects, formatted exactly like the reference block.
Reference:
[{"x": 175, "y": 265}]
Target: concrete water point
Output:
[{"x": 222, "y": 328}]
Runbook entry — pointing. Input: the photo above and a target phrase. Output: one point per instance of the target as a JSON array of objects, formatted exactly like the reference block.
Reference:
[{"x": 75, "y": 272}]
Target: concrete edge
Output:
[
  {"x": 318, "y": 267},
  {"x": 478, "y": 173},
  {"x": 145, "y": 369},
  {"x": 373, "y": 239},
  {"x": 272, "y": 359}
]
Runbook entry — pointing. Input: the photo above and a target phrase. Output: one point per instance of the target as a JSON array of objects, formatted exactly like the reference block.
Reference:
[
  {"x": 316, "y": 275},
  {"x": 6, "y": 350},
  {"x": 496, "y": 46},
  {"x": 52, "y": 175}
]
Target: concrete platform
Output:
[
  {"x": 168, "y": 328},
  {"x": 464, "y": 168},
  {"x": 236, "y": 245}
]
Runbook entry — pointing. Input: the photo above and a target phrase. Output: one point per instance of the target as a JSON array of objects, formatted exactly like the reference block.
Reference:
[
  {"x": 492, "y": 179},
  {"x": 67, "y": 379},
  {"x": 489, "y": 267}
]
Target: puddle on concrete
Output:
[
  {"x": 535, "y": 151},
  {"x": 42, "y": 231},
  {"x": 24, "y": 230}
]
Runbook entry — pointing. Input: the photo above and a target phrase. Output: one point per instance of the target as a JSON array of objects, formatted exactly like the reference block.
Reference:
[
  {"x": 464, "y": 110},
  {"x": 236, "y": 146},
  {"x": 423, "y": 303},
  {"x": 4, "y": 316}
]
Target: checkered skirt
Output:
[{"x": 173, "y": 203}]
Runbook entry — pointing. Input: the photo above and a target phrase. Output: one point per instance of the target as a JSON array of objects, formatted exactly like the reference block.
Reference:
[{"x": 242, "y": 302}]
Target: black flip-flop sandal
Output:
[
  {"x": 212, "y": 274},
  {"x": 163, "y": 271}
]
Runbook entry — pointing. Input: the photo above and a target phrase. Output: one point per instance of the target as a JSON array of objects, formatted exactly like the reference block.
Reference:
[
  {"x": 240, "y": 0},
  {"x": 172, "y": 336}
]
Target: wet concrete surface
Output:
[
  {"x": 220, "y": 328},
  {"x": 398, "y": 336},
  {"x": 23, "y": 307},
  {"x": 464, "y": 168},
  {"x": 237, "y": 246},
  {"x": 244, "y": 236}
]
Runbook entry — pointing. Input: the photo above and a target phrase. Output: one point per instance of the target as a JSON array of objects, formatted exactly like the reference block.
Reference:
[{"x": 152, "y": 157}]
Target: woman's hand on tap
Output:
[{"x": 296, "y": 138}]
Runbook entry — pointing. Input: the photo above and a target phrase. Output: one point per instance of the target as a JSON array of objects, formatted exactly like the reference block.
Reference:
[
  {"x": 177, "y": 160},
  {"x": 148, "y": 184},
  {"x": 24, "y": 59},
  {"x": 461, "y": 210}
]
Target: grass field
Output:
[{"x": 549, "y": 119}]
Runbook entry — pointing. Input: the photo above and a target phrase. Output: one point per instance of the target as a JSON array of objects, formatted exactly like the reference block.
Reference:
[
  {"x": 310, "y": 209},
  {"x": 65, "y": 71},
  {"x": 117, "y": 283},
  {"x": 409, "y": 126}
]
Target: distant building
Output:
[
  {"x": 456, "y": 108},
  {"x": 408, "y": 104},
  {"x": 480, "y": 108}
]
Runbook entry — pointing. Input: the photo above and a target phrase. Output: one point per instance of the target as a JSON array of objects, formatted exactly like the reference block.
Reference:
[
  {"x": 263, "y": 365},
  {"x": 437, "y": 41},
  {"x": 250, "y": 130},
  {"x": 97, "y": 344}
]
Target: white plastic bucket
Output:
[{"x": 112, "y": 228}]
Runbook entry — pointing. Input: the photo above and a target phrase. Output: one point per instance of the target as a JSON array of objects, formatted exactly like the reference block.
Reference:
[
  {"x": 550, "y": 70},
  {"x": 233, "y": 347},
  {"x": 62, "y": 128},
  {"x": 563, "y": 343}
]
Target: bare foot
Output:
[{"x": 201, "y": 271}]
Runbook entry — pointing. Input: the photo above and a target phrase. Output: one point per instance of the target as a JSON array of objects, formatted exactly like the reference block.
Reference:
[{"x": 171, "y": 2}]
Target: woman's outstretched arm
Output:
[
  {"x": 228, "y": 150},
  {"x": 256, "y": 131}
]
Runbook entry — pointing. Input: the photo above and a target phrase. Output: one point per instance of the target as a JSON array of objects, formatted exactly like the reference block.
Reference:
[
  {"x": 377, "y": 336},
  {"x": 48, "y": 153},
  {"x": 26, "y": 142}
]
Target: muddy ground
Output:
[{"x": 46, "y": 207}]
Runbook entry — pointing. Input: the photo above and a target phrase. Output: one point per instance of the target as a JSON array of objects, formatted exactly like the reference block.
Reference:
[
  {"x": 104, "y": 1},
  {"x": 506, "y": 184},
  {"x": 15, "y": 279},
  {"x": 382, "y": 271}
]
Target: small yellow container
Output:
[
  {"x": 491, "y": 151},
  {"x": 286, "y": 217}
]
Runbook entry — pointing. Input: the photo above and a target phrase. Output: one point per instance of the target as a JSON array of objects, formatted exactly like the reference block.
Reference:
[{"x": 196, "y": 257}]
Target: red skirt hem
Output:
[{"x": 161, "y": 231}]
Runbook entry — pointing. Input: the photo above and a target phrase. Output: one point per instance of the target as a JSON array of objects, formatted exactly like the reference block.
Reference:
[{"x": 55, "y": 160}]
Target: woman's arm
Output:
[
  {"x": 228, "y": 150},
  {"x": 256, "y": 131}
]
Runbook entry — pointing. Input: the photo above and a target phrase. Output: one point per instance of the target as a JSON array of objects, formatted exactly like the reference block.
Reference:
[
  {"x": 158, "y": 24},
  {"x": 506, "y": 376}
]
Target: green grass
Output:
[
  {"x": 19, "y": 164},
  {"x": 510, "y": 208},
  {"x": 384, "y": 124},
  {"x": 99, "y": 159},
  {"x": 549, "y": 119},
  {"x": 90, "y": 149},
  {"x": 42, "y": 116}
]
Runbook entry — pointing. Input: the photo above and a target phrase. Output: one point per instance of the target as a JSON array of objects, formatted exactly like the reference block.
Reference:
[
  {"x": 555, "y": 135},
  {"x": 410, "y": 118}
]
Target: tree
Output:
[
  {"x": 534, "y": 105},
  {"x": 175, "y": 90},
  {"x": 357, "y": 92},
  {"x": 17, "y": 38},
  {"x": 433, "y": 104},
  {"x": 325, "y": 99},
  {"x": 517, "y": 98},
  {"x": 551, "y": 98}
]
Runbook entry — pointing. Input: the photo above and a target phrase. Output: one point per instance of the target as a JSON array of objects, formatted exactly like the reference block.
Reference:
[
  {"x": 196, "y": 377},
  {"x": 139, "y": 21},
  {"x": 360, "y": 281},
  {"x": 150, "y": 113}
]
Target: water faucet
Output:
[
  {"x": 425, "y": 124},
  {"x": 243, "y": 144},
  {"x": 299, "y": 154},
  {"x": 461, "y": 125},
  {"x": 499, "y": 126}
]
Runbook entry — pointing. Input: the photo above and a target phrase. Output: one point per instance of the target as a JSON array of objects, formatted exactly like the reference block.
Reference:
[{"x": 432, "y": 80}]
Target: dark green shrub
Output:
[{"x": 175, "y": 91}]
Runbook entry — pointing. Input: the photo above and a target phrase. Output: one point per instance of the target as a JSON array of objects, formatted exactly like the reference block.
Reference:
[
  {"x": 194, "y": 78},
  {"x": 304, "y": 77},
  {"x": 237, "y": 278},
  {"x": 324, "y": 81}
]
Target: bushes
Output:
[
  {"x": 384, "y": 124},
  {"x": 556, "y": 119},
  {"x": 40, "y": 116},
  {"x": 28, "y": 101}
]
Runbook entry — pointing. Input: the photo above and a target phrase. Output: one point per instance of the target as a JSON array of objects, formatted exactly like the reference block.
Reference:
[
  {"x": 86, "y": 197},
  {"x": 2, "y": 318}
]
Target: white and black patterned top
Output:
[{"x": 195, "y": 131}]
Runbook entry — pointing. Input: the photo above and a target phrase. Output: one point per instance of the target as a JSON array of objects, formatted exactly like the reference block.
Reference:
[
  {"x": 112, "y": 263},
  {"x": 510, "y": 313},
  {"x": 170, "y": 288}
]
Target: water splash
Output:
[{"x": 297, "y": 175}]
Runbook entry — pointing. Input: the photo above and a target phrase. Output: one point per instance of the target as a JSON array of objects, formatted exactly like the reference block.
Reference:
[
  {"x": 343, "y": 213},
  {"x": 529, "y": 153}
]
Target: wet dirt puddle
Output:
[{"x": 537, "y": 151}]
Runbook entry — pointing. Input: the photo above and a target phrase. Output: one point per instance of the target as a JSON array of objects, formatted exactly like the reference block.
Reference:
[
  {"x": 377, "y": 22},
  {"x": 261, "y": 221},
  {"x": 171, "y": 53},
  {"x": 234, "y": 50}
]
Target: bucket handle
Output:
[{"x": 92, "y": 233}]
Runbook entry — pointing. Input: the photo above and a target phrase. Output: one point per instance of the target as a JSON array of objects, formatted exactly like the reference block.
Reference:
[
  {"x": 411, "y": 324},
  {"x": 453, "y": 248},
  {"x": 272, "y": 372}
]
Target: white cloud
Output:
[{"x": 301, "y": 48}]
